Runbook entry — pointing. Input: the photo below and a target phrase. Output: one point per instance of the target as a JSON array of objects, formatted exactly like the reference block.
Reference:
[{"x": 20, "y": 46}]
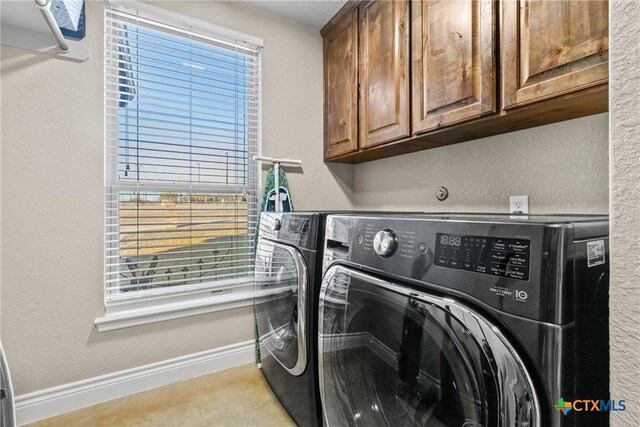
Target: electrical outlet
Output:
[{"x": 519, "y": 204}]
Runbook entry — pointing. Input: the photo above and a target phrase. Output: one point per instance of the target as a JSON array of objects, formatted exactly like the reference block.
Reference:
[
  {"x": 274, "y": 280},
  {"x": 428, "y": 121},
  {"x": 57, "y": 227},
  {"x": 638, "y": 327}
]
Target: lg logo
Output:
[{"x": 521, "y": 295}]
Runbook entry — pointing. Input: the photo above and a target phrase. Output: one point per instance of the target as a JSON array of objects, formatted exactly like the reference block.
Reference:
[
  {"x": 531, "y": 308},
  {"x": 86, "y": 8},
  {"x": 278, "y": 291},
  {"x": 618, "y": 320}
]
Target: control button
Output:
[
  {"x": 422, "y": 247},
  {"x": 518, "y": 247},
  {"x": 517, "y": 260},
  {"x": 517, "y": 272},
  {"x": 498, "y": 257},
  {"x": 499, "y": 246},
  {"x": 384, "y": 243},
  {"x": 497, "y": 270}
]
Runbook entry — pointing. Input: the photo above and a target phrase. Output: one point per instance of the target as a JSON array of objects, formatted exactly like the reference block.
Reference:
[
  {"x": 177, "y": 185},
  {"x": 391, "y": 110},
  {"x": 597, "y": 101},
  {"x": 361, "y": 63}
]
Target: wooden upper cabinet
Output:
[
  {"x": 454, "y": 71},
  {"x": 406, "y": 75},
  {"x": 341, "y": 87},
  {"x": 550, "y": 48},
  {"x": 384, "y": 72}
]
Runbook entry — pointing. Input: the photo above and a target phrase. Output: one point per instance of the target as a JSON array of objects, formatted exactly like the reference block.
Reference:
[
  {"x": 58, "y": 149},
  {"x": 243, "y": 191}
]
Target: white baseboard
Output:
[{"x": 58, "y": 400}]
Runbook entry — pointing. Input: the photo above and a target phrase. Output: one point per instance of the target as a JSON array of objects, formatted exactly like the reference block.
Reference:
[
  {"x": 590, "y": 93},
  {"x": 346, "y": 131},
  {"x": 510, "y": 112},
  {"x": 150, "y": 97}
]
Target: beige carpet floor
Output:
[{"x": 234, "y": 397}]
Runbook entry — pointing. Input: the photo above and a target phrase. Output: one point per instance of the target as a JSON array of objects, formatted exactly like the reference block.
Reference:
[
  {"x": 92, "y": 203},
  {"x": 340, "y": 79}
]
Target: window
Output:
[{"x": 182, "y": 116}]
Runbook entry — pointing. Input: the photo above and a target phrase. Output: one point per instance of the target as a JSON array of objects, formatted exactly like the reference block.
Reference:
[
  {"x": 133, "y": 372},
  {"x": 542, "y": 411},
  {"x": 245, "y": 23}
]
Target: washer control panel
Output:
[
  {"x": 514, "y": 265},
  {"x": 488, "y": 255}
]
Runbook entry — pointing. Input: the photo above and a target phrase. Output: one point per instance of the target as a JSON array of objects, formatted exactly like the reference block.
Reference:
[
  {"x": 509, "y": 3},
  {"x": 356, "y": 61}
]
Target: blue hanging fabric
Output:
[
  {"x": 269, "y": 205},
  {"x": 70, "y": 31}
]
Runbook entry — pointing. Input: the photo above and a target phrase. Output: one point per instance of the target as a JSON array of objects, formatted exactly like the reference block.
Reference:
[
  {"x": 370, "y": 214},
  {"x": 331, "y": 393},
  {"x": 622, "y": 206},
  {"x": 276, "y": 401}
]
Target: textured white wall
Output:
[
  {"x": 562, "y": 167},
  {"x": 624, "y": 107},
  {"x": 52, "y": 199}
]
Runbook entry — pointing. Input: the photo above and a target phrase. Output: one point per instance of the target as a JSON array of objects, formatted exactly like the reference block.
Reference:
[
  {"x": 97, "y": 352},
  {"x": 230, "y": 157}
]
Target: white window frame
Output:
[{"x": 198, "y": 300}]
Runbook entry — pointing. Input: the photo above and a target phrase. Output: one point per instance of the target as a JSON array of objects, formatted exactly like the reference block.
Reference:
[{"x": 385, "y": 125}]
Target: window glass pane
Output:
[
  {"x": 207, "y": 140},
  {"x": 182, "y": 124},
  {"x": 170, "y": 239}
]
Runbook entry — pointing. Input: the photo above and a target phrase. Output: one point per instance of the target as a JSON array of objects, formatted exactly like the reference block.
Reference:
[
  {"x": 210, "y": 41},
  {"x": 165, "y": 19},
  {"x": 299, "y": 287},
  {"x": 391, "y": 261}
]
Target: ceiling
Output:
[{"x": 314, "y": 13}]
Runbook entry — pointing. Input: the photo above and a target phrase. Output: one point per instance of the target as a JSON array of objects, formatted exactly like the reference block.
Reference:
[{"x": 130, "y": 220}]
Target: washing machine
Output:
[
  {"x": 464, "y": 320},
  {"x": 288, "y": 273}
]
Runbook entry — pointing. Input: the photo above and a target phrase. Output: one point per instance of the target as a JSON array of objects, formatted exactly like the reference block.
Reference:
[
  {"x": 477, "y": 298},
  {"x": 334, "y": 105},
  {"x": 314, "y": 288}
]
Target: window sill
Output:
[{"x": 176, "y": 310}]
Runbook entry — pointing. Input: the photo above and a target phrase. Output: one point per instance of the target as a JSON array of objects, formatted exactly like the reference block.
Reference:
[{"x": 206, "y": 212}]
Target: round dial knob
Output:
[{"x": 384, "y": 243}]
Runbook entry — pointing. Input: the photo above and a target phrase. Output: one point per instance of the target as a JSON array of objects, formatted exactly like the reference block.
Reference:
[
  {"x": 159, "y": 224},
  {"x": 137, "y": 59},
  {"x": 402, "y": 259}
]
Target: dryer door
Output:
[
  {"x": 393, "y": 356},
  {"x": 281, "y": 280}
]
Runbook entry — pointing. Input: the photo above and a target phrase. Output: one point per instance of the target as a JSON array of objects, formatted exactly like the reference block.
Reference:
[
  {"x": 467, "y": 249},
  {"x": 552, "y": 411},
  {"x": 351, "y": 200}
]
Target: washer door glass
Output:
[
  {"x": 281, "y": 287},
  {"x": 393, "y": 356}
]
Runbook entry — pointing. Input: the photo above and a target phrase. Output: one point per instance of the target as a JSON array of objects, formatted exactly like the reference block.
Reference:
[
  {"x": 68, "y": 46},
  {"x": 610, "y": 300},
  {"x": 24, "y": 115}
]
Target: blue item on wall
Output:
[
  {"x": 80, "y": 32},
  {"x": 70, "y": 16}
]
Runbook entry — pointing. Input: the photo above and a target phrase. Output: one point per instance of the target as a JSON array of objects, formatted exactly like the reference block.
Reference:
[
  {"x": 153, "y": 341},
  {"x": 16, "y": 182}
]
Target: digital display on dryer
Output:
[
  {"x": 487, "y": 255},
  {"x": 449, "y": 240}
]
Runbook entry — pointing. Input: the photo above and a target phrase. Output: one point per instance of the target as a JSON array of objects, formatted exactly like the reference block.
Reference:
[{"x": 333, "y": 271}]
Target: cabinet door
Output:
[
  {"x": 454, "y": 77},
  {"x": 550, "y": 48},
  {"x": 384, "y": 72},
  {"x": 341, "y": 87}
]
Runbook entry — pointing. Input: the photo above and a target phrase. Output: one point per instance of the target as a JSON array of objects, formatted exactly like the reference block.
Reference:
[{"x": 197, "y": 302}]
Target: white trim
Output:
[
  {"x": 177, "y": 294},
  {"x": 70, "y": 397},
  {"x": 184, "y": 21},
  {"x": 157, "y": 313}
]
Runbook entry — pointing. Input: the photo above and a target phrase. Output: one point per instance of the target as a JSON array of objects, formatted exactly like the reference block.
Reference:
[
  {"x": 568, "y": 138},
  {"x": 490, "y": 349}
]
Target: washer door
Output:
[
  {"x": 391, "y": 356},
  {"x": 281, "y": 279}
]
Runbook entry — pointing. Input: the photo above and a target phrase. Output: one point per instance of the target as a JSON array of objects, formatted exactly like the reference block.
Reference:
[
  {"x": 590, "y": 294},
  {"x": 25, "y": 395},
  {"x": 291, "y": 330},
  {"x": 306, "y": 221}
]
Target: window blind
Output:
[{"x": 182, "y": 115}]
